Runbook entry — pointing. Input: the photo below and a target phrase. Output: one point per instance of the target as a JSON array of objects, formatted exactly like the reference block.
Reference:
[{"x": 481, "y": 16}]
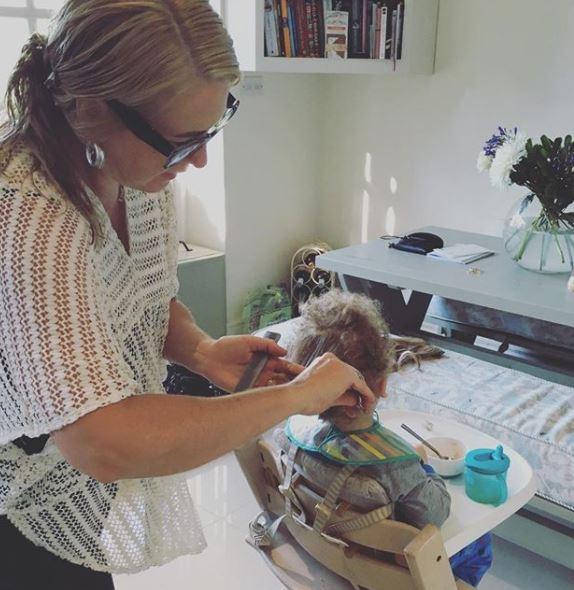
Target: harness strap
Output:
[
  {"x": 286, "y": 488},
  {"x": 325, "y": 509},
  {"x": 360, "y": 522},
  {"x": 262, "y": 530}
]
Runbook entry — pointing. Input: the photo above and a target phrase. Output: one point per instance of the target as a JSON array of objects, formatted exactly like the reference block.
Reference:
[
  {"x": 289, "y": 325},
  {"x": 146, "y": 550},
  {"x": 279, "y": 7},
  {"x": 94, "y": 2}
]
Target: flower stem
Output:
[
  {"x": 518, "y": 256},
  {"x": 557, "y": 240}
]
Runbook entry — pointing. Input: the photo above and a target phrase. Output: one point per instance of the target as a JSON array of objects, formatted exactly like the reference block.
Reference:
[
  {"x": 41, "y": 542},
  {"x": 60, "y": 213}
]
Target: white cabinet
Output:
[{"x": 245, "y": 22}]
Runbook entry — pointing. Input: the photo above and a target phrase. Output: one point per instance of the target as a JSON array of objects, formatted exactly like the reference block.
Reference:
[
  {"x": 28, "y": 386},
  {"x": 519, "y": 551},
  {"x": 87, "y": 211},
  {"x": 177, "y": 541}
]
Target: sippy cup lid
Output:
[{"x": 487, "y": 461}]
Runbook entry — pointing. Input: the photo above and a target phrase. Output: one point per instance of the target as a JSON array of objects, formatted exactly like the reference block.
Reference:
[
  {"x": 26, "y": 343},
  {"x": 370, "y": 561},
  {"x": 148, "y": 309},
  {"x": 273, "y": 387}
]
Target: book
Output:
[
  {"x": 292, "y": 29},
  {"x": 271, "y": 39},
  {"x": 383, "y": 33},
  {"x": 400, "y": 27},
  {"x": 336, "y": 34},
  {"x": 365, "y": 27},
  {"x": 315, "y": 21},
  {"x": 302, "y": 34},
  {"x": 285, "y": 29},
  {"x": 309, "y": 28},
  {"x": 461, "y": 253}
]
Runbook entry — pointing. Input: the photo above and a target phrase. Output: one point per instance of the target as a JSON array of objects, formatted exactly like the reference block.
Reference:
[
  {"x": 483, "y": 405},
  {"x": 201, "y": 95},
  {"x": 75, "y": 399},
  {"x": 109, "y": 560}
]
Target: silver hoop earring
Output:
[{"x": 95, "y": 155}]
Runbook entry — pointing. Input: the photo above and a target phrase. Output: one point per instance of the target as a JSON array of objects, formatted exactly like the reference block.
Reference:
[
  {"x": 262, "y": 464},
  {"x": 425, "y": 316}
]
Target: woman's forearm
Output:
[
  {"x": 183, "y": 338},
  {"x": 156, "y": 435}
]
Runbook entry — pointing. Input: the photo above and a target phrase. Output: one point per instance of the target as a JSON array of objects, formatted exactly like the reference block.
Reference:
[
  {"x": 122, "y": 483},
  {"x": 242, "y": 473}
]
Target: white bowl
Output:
[{"x": 447, "y": 447}]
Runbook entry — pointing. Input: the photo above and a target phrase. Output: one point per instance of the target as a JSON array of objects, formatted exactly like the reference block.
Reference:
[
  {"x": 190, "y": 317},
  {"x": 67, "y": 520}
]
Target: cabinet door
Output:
[{"x": 202, "y": 290}]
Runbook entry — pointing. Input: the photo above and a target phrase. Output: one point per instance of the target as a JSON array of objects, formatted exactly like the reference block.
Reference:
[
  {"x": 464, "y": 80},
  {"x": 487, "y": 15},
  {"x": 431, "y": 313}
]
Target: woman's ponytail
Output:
[
  {"x": 34, "y": 117},
  {"x": 27, "y": 95}
]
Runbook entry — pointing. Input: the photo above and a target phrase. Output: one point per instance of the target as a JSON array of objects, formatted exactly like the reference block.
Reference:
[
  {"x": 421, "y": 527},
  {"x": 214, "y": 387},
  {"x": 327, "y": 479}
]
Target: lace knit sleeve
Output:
[
  {"x": 172, "y": 245},
  {"x": 59, "y": 359}
]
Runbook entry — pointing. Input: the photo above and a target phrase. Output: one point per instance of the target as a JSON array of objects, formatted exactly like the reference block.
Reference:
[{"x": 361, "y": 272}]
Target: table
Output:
[
  {"x": 503, "y": 285},
  {"x": 468, "y": 520}
]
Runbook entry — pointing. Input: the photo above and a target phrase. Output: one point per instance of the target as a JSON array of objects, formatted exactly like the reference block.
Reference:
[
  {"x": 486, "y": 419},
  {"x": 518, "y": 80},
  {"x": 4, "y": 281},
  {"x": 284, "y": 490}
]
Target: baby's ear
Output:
[{"x": 380, "y": 389}]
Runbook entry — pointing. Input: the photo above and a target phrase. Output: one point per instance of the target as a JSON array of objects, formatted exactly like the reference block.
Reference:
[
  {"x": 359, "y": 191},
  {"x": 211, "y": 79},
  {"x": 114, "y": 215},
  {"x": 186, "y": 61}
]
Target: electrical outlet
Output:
[{"x": 252, "y": 85}]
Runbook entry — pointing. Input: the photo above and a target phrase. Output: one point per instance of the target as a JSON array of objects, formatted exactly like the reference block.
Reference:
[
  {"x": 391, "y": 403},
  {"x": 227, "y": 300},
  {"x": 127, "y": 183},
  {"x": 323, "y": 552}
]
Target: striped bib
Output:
[{"x": 371, "y": 446}]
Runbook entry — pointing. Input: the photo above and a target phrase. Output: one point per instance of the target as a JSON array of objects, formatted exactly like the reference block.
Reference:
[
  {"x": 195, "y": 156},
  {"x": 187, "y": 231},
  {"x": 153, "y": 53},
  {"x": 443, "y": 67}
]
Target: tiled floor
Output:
[{"x": 226, "y": 506}]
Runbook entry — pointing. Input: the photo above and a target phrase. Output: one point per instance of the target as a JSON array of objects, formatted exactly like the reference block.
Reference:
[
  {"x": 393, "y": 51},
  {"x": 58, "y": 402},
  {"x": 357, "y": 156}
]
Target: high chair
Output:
[{"x": 345, "y": 548}]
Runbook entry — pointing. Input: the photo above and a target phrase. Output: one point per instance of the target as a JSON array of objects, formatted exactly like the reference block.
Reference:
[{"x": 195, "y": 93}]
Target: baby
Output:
[{"x": 351, "y": 327}]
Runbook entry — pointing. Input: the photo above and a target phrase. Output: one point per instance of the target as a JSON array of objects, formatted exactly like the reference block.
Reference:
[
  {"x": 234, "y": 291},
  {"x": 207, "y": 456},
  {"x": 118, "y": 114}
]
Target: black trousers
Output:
[{"x": 24, "y": 566}]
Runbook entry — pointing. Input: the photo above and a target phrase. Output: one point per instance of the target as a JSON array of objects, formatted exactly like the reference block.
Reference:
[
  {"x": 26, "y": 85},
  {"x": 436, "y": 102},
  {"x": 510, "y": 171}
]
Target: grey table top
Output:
[{"x": 503, "y": 285}]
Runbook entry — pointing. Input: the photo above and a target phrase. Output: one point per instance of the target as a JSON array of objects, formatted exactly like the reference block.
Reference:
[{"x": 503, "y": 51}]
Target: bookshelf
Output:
[{"x": 245, "y": 22}]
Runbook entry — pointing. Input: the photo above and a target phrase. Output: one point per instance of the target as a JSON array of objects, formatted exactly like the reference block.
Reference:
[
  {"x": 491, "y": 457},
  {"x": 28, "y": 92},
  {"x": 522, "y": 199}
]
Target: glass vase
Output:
[{"x": 535, "y": 242}]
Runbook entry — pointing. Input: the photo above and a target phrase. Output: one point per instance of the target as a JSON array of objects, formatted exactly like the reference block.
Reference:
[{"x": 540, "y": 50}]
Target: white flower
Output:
[
  {"x": 507, "y": 156},
  {"x": 571, "y": 283},
  {"x": 484, "y": 162}
]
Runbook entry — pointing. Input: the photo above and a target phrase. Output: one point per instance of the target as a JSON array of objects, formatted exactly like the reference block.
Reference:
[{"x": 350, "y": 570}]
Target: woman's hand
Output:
[
  {"x": 329, "y": 382},
  {"x": 224, "y": 361}
]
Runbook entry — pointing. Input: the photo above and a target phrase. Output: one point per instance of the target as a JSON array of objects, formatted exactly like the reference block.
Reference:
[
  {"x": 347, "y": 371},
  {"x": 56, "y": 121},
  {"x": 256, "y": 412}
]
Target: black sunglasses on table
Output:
[{"x": 175, "y": 153}]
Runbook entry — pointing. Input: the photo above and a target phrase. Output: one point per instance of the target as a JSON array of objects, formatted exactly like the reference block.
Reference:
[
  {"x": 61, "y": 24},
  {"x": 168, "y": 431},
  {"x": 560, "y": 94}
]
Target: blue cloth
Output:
[{"x": 471, "y": 563}]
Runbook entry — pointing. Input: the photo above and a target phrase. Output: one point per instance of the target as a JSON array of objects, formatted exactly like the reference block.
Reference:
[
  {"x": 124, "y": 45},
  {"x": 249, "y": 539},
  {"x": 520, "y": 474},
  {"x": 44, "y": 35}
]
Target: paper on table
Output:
[{"x": 461, "y": 253}]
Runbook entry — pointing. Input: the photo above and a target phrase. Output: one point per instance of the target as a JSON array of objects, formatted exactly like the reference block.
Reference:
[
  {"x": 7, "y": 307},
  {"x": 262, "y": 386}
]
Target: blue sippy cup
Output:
[{"x": 485, "y": 475}]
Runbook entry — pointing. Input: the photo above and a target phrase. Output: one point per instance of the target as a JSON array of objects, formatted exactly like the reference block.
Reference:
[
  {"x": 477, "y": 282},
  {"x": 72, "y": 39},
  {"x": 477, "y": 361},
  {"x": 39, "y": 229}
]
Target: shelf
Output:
[{"x": 245, "y": 22}]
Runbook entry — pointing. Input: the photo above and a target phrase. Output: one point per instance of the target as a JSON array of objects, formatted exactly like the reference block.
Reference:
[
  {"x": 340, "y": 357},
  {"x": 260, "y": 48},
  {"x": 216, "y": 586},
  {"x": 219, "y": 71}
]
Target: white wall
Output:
[
  {"x": 200, "y": 200},
  {"x": 297, "y": 159},
  {"x": 272, "y": 154},
  {"x": 503, "y": 62}
]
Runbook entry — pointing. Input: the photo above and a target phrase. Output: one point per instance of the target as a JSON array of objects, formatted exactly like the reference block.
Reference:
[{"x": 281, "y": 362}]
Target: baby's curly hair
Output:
[{"x": 352, "y": 328}]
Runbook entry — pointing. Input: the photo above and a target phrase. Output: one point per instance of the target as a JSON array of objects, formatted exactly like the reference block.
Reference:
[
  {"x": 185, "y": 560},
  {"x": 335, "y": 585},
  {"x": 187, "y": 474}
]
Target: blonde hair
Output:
[
  {"x": 139, "y": 52},
  {"x": 351, "y": 327}
]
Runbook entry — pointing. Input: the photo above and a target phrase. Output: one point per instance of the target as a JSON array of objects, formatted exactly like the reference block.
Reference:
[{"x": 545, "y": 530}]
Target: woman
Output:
[{"x": 102, "y": 116}]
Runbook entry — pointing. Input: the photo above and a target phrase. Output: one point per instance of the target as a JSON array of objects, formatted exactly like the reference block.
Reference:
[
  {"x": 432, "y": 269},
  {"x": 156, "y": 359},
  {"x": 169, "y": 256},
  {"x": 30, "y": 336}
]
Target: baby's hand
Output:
[{"x": 421, "y": 452}]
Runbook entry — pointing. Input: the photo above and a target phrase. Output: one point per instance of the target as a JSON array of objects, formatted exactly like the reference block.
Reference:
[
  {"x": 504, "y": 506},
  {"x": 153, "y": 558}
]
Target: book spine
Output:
[
  {"x": 400, "y": 27},
  {"x": 315, "y": 15},
  {"x": 271, "y": 48},
  {"x": 394, "y": 37},
  {"x": 292, "y": 29},
  {"x": 383, "y": 32},
  {"x": 374, "y": 31},
  {"x": 321, "y": 28},
  {"x": 279, "y": 25},
  {"x": 389, "y": 33},
  {"x": 378, "y": 18},
  {"x": 285, "y": 29},
  {"x": 365, "y": 30},
  {"x": 310, "y": 36},
  {"x": 355, "y": 26},
  {"x": 302, "y": 44}
]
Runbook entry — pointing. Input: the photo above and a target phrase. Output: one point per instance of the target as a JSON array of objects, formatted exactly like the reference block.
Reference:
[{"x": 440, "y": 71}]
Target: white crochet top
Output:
[{"x": 83, "y": 326}]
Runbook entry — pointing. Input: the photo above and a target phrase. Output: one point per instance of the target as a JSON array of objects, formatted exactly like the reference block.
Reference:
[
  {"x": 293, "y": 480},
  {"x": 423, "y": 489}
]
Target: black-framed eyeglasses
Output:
[{"x": 174, "y": 152}]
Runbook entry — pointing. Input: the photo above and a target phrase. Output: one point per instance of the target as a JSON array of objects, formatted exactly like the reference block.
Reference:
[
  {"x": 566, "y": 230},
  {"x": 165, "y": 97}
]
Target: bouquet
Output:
[{"x": 546, "y": 170}]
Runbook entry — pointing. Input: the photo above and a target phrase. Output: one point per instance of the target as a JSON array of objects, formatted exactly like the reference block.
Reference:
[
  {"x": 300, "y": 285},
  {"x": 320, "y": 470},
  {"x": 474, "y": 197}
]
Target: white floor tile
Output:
[
  {"x": 220, "y": 487},
  {"x": 515, "y": 568},
  {"x": 227, "y": 564}
]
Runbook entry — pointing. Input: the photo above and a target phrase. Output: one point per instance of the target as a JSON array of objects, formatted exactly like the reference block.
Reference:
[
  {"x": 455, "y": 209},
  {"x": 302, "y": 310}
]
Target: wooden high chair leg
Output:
[{"x": 428, "y": 561}]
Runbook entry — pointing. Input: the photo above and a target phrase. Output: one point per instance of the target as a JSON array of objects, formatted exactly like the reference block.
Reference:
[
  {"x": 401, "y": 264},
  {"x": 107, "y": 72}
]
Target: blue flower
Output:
[{"x": 498, "y": 139}]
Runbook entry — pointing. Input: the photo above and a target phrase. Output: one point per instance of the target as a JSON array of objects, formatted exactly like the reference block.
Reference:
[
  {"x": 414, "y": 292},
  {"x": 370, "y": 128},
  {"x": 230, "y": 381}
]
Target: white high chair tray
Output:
[{"x": 468, "y": 520}]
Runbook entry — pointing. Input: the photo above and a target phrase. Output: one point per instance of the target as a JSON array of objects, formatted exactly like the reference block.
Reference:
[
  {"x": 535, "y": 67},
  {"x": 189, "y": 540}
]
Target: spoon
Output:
[{"x": 425, "y": 443}]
